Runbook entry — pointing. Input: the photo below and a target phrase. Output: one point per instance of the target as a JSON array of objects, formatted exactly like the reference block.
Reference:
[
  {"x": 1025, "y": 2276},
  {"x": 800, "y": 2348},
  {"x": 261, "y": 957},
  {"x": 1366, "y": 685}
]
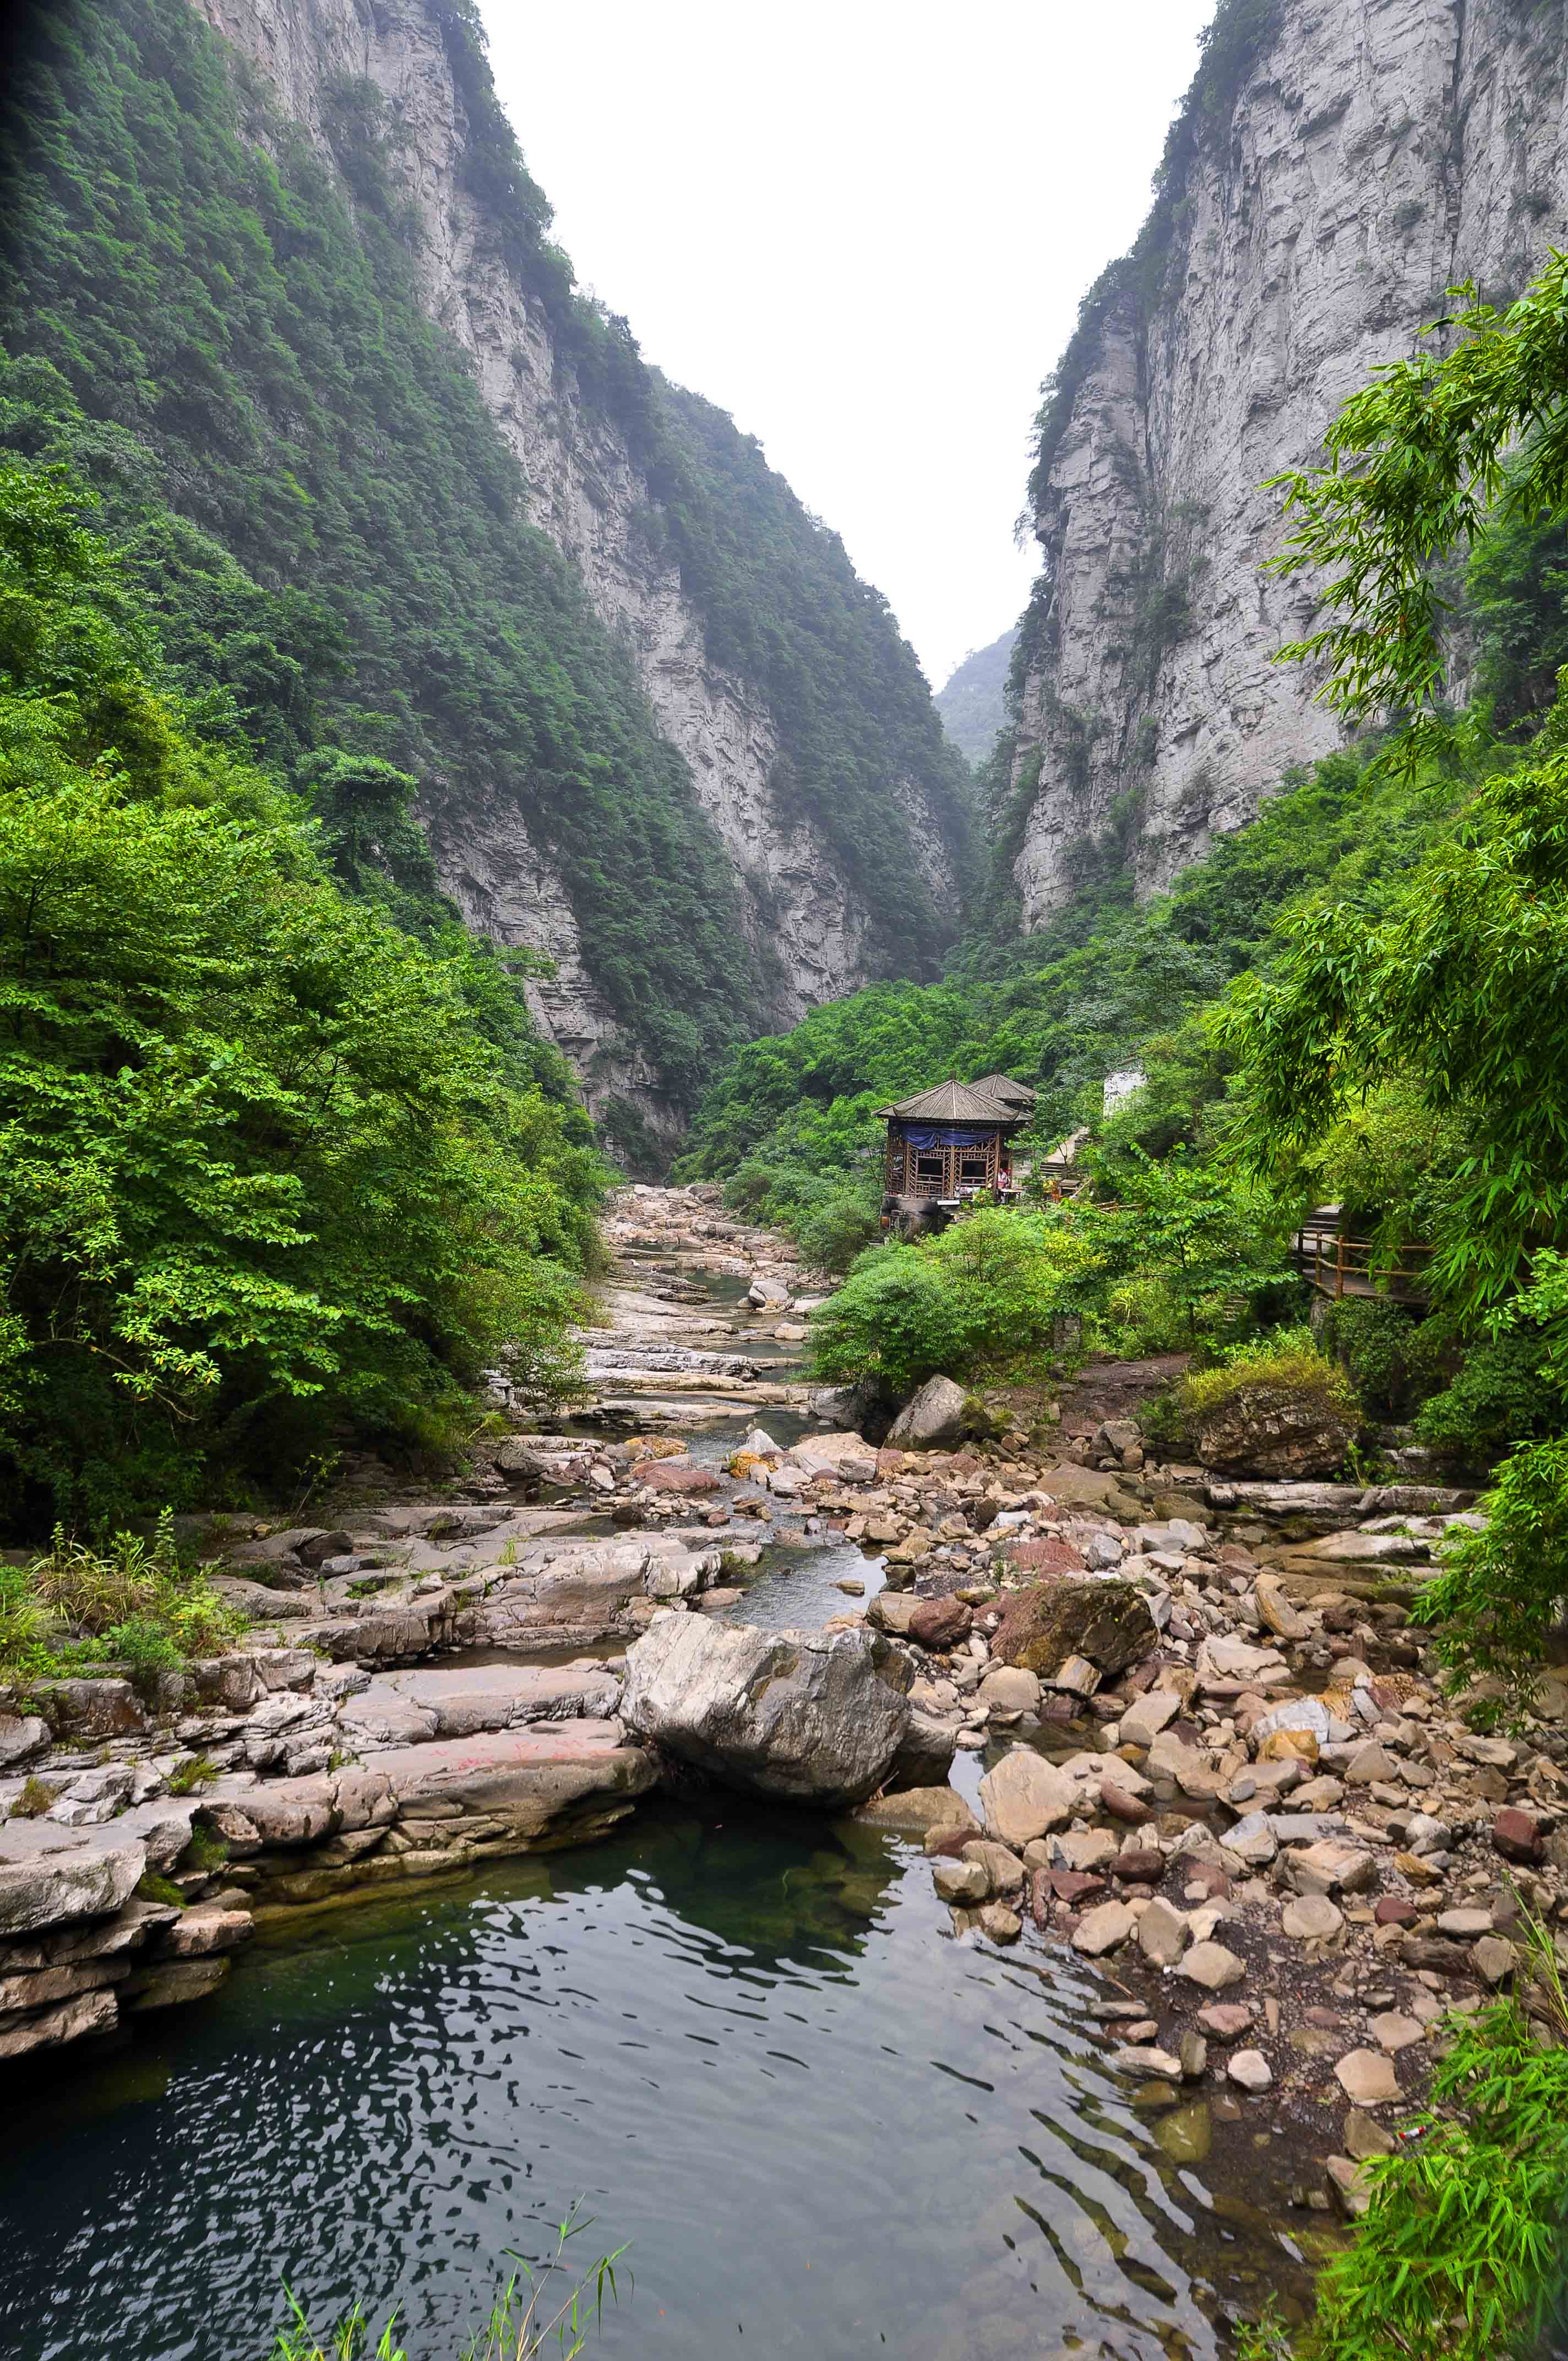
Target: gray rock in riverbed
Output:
[
  {"x": 936, "y": 1414},
  {"x": 819, "y": 1716}
]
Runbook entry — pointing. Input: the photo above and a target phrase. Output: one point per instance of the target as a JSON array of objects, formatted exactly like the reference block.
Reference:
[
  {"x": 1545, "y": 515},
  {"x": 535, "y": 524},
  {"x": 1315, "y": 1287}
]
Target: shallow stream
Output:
[{"x": 745, "y": 2041}]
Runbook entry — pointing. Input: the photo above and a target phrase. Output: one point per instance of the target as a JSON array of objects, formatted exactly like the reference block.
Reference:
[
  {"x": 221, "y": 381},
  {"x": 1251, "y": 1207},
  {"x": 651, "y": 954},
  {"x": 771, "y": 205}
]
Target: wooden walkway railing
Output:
[{"x": 1338, "y": 1267}]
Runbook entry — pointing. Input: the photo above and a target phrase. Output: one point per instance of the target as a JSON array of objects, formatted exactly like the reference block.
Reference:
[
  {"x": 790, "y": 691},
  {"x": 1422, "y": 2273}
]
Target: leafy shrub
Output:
[
  {"x": 748, "y": 1187},
  {"x": 1139, "y": 1316},
  {"x": 1394, "y": 1361},
  {"x": 1495, "y": 1600},
  {"x": 1459, "y": 2255},
  {"x": 1207, "y": 1250},
  {"x": 1496, "y": 1399},
  {"x": 893, "y": 1324},
  {"x": 982, "y": 1299},
  {"x": 130, "y": 1602},
  {"x": 1287, "y": 1363},
  {"x": 833, "y": 1232}
]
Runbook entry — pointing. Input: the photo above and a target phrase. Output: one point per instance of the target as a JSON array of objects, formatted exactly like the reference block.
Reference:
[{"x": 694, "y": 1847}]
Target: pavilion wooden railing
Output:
[{"x": 1338, "y": 1267}]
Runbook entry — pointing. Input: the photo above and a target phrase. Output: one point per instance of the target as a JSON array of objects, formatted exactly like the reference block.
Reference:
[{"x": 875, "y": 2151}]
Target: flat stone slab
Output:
[
  {"x": 50, "y": 1875},
  {"x": 407, "y": 1707},
  {"x": 531, "y": 1777}
]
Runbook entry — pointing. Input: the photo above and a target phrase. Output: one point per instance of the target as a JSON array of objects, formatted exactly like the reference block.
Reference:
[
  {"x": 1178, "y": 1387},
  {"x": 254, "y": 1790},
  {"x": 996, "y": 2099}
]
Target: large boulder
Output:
[
  {"x": 939, "y": 1412},
  {"x": 1278, "y": 1431},
  {"x": 1109, "y": 1622},
  {"x": 818, "y": 1717},
  {"x": 845, "y": 1455}
]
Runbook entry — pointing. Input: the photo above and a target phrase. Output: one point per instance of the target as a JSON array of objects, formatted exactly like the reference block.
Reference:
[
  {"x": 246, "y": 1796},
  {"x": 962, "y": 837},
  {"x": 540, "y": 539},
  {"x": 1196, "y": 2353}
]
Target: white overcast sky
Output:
[{"x": 863, "y": 229}]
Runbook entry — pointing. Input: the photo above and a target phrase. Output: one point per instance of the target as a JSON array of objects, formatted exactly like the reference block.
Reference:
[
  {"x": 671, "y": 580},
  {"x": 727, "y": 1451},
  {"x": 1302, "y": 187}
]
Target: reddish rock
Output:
[
  {"x": 939, "y": 1622},
  {"x": 1047, "y": 1557},
  {"x": 664, "y": 1475},
  {"x": 1208, "y": 1874},
  {"x": 1074, "y": 1884},
  {"x": 1225, "y": 2019},
  {"x": 1057, "y": 1705},
  {"x": 1144, "y": 1865},
  {"x": 1393, "y": 1910},
  {"x": 1039, "y": 1895},
  {"x": 1516, "y": 1835},
  {"x": 949, "y": 1841},
  {"x": 1121, "y": 1805}
]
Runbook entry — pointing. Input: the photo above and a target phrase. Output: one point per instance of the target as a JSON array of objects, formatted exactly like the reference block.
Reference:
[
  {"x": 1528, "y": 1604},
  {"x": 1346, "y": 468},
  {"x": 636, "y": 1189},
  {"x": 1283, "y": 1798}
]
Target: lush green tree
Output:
[
  {"x": 1437, "y": 451},
  {"x": 980, "y": 1300},
  {"x": 1446, "y": 996},
  {"x": 1212, "y": 1244},
  {"x": 365, "y": 810},
  {"x": 254, "y": 1150}
]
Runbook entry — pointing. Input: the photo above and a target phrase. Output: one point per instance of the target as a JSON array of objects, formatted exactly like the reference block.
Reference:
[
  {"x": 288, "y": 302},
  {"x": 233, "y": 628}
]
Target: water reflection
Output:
[{"x": 740, "y": 2035}]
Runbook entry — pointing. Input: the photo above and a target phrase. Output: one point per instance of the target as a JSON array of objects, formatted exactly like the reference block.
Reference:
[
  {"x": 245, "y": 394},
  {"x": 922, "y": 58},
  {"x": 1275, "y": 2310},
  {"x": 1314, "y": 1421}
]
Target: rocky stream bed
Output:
[{"x": 1171, "y": 1741}]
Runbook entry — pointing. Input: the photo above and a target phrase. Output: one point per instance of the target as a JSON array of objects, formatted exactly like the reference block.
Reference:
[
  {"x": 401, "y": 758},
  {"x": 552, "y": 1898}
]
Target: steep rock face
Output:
[
  {"x": 814, "y": 927},
  {"x": 1369, "y": 154}
]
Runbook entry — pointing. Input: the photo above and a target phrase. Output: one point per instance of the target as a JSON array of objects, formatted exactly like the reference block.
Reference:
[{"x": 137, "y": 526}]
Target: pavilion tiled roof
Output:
[
  {"x": 953, "y": 1102},
  {"x": 1004, "y": 1088}
]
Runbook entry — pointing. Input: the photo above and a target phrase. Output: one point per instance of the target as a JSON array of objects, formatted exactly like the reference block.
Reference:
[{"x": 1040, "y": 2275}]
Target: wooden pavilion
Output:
[{"x": 953, "y": 1143}]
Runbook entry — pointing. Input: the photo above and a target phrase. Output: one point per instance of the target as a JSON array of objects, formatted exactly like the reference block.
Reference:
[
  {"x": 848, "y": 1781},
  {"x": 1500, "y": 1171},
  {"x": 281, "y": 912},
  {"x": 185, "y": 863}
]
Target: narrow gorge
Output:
[{"x": 783, "y": 1463}]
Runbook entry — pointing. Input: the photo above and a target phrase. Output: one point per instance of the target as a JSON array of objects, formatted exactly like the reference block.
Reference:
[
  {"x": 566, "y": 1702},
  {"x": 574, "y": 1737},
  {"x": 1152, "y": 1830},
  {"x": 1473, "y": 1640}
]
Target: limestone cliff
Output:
[
  {"x": 1337, "y": 165},
  {"x": 820, "y": 927}
]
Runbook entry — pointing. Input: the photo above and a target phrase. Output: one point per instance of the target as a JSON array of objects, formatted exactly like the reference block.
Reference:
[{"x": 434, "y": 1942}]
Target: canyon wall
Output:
[
  {"x": 814, "y": 926},
  {"x": 1338, "y": 165}
]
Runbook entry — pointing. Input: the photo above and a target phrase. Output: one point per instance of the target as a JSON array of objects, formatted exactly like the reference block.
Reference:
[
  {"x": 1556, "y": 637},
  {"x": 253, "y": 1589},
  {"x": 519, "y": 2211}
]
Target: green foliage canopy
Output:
[
  {"x": 982, "y": 1299},
  {"x": 1448, "y": 992},
  {"x": 254, "y": 1149},
  {"x": 1419, "y": 462}
]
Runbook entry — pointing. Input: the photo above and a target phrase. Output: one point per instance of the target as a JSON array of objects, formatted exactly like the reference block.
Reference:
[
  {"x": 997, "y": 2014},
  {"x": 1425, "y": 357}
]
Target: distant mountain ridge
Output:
[{"x": 973, "y": 705}]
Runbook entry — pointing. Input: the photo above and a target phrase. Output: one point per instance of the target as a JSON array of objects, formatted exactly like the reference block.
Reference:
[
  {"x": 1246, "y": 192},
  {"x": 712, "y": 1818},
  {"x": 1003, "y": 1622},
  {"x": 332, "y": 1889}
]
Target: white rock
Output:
[{"x": 1250, "y": 2068}]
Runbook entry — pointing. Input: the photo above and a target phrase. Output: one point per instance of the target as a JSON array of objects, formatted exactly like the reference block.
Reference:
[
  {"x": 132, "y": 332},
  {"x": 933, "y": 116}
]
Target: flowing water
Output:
[
  {"x": 747, "y": 2041},
  {"x": 744, "y": 2038}
]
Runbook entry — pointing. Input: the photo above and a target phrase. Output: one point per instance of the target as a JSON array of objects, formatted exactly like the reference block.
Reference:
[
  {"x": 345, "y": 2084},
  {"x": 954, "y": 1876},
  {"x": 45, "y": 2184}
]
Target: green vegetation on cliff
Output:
[
  {"x": 973, "y": 704},
  {"x": 269, "y": 1180},
  {"x": 230, "y": 346}
]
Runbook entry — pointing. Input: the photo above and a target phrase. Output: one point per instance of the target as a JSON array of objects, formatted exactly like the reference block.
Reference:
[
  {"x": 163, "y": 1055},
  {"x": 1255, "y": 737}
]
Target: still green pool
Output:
[{"x": 747, "y": 2042}]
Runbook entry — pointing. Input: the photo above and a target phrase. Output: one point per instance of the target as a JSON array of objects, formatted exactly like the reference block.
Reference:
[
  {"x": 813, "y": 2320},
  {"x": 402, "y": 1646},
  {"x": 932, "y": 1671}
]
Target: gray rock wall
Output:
[
  {"x": 1379, "y": 150},
  {"x": 584, "y": 490}
]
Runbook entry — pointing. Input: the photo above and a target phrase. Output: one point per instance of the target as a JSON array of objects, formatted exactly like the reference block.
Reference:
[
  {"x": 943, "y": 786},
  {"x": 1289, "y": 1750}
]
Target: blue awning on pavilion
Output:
[{"x": 923, "y": 1137}]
